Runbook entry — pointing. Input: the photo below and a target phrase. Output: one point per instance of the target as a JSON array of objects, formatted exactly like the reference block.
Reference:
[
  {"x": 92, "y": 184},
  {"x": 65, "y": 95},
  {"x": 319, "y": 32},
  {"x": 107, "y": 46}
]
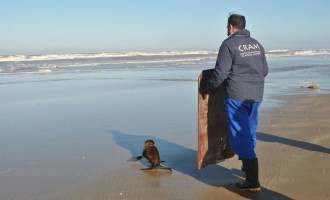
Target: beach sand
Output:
[{"x": 71, "y": 140}]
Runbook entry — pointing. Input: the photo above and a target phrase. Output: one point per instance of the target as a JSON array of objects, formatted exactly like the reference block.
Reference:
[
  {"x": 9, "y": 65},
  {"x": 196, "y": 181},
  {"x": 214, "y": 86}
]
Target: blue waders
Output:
[{"x": 243, "y": 122}]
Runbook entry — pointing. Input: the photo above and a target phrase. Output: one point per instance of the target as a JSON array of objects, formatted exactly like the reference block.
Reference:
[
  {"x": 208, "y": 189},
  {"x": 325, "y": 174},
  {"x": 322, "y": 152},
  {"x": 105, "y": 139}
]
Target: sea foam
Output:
[{"x": 47, "y": 63}]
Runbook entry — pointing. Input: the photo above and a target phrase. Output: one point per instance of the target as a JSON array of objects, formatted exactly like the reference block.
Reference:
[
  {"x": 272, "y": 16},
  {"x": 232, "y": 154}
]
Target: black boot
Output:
[
  {"x": 242, "y": 168},
  {"x": 251, "y": 183}
]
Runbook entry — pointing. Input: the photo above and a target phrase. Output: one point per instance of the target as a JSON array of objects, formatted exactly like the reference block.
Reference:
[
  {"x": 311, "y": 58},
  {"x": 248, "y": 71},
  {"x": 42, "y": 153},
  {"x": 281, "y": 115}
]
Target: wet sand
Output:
[
  {"x": 294, "y": 147},
  {"x": 71, "y": 140}
]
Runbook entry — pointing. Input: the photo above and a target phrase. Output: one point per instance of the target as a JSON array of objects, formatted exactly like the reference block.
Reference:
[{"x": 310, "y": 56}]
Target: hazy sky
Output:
[{"x": 82, "y": 26}]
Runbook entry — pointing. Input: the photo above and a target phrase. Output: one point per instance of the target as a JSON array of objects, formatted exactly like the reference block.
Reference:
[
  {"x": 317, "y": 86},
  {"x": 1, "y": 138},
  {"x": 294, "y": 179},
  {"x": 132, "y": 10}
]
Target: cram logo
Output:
[
  {"x": 248, "y": 47},
  {"x": 249, "y": 50}
]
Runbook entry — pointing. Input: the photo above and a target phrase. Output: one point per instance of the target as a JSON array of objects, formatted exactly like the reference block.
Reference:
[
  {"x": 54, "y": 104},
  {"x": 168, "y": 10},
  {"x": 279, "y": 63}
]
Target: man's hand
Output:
[{"x": 204, "y": 91}]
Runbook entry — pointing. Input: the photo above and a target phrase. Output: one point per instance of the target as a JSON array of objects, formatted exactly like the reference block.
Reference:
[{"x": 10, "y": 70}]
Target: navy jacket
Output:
[{"x": 242, "y": 66}]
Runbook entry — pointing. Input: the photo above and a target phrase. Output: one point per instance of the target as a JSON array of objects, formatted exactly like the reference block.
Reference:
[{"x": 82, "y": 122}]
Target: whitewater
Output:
[{"x": 15, "y": 64}]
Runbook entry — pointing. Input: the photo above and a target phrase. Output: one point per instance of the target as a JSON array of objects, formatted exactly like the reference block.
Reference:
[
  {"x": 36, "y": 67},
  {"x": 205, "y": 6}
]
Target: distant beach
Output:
[{"x": 70, "y": 122}]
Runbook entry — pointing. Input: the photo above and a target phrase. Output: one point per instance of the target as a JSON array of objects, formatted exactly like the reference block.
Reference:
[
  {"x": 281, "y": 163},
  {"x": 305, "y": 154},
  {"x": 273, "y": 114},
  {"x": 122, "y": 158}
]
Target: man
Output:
[{"x": 242, "y": 66}]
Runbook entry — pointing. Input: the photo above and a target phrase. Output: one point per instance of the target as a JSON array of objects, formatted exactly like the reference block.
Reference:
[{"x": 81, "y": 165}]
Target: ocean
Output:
[{"x": 288, "y": 68}]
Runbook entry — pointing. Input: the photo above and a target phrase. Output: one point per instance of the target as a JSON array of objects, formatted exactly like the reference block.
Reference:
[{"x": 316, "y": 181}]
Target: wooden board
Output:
[{"x": 213, "y": 133}]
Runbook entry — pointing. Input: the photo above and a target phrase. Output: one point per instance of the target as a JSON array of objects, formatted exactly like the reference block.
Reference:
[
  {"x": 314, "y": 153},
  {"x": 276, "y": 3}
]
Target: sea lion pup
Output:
[{"x": 150, "y": 152}]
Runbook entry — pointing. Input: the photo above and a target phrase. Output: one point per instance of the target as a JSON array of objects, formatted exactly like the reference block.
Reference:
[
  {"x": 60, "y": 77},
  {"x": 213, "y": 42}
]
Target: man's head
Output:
[{"x": 235, "y": 22}]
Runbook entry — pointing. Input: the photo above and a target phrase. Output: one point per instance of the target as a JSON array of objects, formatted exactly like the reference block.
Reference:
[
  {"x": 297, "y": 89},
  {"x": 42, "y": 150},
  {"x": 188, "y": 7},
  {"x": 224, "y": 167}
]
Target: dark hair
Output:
[{"x": 237, "y": 21}]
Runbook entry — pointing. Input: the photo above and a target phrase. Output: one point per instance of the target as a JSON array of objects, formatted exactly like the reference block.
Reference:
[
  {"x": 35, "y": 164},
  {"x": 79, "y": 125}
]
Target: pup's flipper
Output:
[
  {"x": 149, "y": 168},
  {"x": 135, "y": 158},
  {"x": 159, "y": 167},
  {"x": 164, "y": 167}
]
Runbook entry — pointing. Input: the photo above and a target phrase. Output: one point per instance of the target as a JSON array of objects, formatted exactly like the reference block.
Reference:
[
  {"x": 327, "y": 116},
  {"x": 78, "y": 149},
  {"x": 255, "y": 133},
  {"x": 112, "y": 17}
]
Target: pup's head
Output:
[{"x": 149, "y": 143}]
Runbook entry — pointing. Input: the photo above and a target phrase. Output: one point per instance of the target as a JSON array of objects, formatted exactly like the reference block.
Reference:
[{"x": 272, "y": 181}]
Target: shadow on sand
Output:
[
  {"x": 294, "y": 143},
  {"x": 184, "y": 160}
]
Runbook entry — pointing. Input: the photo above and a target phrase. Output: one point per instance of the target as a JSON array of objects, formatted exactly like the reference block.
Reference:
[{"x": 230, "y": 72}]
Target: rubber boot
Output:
[
  {"x": 242, "y": 168},
  {"x": 251, "y": 183}
]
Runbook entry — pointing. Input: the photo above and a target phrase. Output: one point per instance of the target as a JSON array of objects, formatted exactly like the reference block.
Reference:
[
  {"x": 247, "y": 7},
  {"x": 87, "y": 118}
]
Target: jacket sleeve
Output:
[
  {"x": 222, "y": 67},
  {"x": 264, "y": 62}
]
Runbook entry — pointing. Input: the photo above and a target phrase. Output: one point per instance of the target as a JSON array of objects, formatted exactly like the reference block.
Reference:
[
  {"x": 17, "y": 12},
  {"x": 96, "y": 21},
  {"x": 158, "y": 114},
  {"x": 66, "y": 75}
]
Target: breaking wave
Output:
[
  {"x": 13, "y": 64},
  {"x": 297, "y": 52},
  {"x": 22, "y": 58},
  {"x": 272, "y": 53}
]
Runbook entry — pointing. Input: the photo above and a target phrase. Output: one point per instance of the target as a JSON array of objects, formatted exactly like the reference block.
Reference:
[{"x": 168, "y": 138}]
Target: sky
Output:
[{"x": 96, "y": 26}]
